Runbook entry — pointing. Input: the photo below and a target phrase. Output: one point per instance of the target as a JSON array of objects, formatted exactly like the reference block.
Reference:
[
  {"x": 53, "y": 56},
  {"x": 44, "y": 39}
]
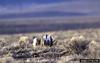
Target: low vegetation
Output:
[{"x": 69, "y": 46}]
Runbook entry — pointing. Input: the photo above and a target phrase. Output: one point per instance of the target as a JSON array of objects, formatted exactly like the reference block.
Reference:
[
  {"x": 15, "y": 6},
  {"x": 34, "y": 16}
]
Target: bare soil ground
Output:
[{"x": 58, "y": 53}]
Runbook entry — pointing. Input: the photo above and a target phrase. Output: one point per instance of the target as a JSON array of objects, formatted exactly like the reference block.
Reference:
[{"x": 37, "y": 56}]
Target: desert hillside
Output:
[{"x": 12, "y": 26}]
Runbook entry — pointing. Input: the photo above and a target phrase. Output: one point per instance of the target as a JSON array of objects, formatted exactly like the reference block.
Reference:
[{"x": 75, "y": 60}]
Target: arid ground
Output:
[
  {"x": 62, "y": 31},
  {"x": 58, "y": 53}
]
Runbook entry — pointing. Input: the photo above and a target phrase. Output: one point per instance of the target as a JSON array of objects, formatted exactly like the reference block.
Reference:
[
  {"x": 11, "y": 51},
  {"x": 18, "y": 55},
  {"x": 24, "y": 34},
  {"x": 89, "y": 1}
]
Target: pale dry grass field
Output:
[{"x": 60, "y": 52}]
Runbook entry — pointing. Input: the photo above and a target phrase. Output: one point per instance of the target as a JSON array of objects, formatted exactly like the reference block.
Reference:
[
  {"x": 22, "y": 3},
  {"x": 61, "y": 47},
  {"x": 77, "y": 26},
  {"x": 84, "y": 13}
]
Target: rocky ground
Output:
[{"x": 69, "y": 47}]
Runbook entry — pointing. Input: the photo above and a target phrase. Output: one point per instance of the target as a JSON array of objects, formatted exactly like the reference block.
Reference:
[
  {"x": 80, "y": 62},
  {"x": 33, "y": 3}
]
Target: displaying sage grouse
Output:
[{"x": 48, "y": 40}]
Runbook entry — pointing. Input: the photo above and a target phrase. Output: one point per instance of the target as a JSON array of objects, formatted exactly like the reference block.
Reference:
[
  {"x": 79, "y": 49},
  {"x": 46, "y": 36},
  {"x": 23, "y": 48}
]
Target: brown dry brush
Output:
[{"x": 76, "y": 45}]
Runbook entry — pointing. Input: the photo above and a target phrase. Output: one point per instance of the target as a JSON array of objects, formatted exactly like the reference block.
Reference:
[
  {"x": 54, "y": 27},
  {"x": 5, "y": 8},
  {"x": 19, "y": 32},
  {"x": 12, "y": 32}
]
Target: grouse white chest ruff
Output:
[{"x": 34, "y": 42}]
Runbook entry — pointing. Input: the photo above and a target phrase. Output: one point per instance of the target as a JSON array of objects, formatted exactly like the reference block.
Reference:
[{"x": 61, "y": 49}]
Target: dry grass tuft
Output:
[{"x": 78, "y": 44}]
